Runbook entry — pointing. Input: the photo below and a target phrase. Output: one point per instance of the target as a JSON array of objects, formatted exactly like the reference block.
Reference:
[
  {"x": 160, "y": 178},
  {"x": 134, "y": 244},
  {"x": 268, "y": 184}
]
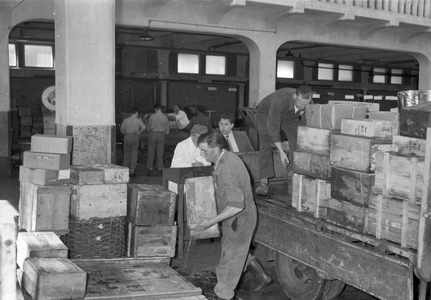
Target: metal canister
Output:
[
  {"x": 424, "y": 96},
  {"x": 408, "y": 98}
]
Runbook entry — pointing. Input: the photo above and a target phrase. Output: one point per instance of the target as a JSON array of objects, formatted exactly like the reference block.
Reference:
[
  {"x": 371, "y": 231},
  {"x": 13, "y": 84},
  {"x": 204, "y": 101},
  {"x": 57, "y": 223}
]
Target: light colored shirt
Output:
[
  {"x": 158, "y": 122},
  {"x": 132, "y": 125},
  {"x": 232, "y": 143},
  {"x": 181, "y": 119}
]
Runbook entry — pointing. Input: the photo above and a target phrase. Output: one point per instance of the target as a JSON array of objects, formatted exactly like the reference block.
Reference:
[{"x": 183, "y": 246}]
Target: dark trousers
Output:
[{"x": 156, "y": 144}]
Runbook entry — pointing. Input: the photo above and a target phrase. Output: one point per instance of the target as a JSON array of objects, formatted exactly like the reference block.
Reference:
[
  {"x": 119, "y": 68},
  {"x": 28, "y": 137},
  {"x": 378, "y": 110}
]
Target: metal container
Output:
[
  {"x": 408, "y": 98},
  {"x": 424, "y": 96}
]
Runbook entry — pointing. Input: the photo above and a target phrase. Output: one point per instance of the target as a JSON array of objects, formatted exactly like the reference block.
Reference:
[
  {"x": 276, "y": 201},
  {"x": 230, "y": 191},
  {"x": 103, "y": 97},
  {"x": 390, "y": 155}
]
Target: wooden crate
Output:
[
  {"x": 83, "y": 175},
  {"x": 313, "y": 140},
  {"x": 356, "y": 153},
  {"x": 395, "y": 220},
  {"x": 351, "y": 186},
  {"x": 98, "y": 201},
  {"x": 145, "y": 241},
  {"x": 51, "y": 143},
  {"x": 329, "y": 116},
  {"x": 408, "y": 146},
  {"x": 150, "y": 205},
  {"x": 113, "y": 174},
  {"x": 415, "y": 120},
  {"x": 39, "y": 244},
  {"x": 44, "y": 208},
  {"x": 49, "y": 121},
  {"x": 201, "y": 204},
  {"x": 384, "y": 115},
  {"x": 44, "y": 177},
  {"x": 310, "y": 195},
  {"x": 311, "y": 164},
  {"x": 48, "y": 161},
  {"x": 347, "y": 215},
  {"x": 8, "y": 232},
  {"x": 369, "y": 128},
  {"x": 53, "y": 279},
  {"x": 369, "y": 106},
  {"x": 399, "y": 176}
]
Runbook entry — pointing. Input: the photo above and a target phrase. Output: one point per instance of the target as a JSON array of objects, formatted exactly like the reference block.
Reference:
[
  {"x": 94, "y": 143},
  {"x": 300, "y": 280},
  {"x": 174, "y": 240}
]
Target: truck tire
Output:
[
  {"x": 334, "y": 289},
  {"x": 299, "y": 281}
]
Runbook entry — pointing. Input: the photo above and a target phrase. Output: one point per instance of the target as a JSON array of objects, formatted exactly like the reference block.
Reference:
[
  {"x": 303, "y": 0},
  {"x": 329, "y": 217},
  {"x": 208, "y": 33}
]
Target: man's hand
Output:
[
  {"x": 284, "y": 160},
  {"x": 203, "y": 225},
  {"x": 197, "y": 164}
]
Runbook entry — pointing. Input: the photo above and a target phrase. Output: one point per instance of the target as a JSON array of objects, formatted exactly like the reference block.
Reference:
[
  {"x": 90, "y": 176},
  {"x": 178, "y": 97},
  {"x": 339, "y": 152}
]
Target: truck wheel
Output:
[
  {"x": 299, "y": 281},
  {"x": 334, "y": 289}
]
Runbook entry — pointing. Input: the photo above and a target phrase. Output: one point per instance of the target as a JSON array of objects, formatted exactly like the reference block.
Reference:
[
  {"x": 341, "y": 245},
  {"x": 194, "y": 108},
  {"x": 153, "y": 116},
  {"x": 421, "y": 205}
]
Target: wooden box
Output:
[
  {"x": 98, "y": 201},
  {"x": 369, "y": 128},
  {"x": 44, "y": 208},
  {"x": 384, "y": 115},
  {"x": 44, "y": 177},
  {"x": 48, "y": 161},
  {"x": 347, "y": 215},
  {"x": 414, "y": 120},
  {"x": 51, "y": 144},
  {"x": 355, "y": 153},
  {"x": 113, "y": 173},
  {"x": 53, "y": 279},
  {"x": 370, "y": 107},
  {"x": 150, "y": 205},
  {"x": 311, "y": 164},
  {"x": 351, "y": 186},
  {"x": 8, "y": 231},
  {"x": 83, "y": 175},
  {"x": 313, "y": 140},
  {"x": 395, "y": 220},
  {"x": 310, "y": 195},
  {"x": 49, "y": 121},
  {"x": 39, "y": 244},
  {"x": 329, "y": 116},
  {"x": 25, "y": 121},
  {"x": 24, "y": 111},
  {"x": 201, "y": 204},
  {"x": 144, "y": 241},
  {"x": 408, "y": 146},
  {"x": 399, "y": 176}
]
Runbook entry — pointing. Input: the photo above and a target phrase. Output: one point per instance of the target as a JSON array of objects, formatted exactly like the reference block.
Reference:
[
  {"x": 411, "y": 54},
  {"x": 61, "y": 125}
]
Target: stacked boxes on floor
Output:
[
  {"x": 25, "y": 122},
  {"x": 49, "y": 123},
  {"x": 150, "y": 214},
  {"x": 97, "y": 211}
]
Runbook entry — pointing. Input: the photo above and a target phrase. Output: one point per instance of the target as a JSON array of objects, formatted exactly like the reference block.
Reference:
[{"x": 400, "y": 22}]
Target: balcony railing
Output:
[{"x": 416, "y": 8}]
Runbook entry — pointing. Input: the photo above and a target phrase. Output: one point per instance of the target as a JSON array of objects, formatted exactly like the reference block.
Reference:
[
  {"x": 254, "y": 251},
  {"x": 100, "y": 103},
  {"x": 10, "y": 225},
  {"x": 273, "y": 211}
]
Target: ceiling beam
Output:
[
  {"x": 273, "y": 19},
  {"x": 220, "y": 8}
]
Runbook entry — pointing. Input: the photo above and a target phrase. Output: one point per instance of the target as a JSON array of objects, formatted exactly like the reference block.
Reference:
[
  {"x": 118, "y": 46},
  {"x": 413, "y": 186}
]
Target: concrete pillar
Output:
[
  {"x": 85, "y": 78},
  {"x": 164, "y": 94}
]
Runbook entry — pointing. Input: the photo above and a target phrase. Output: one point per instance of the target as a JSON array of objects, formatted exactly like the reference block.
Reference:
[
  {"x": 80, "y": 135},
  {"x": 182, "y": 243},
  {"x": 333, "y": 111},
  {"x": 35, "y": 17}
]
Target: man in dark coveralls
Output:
[
  {"x": 237, "y": 213},
  {"x": 282, "y": 109}
]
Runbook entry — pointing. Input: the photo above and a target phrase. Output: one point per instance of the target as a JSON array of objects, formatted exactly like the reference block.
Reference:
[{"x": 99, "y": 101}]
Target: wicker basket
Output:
[{"x": 96, "y": 238}]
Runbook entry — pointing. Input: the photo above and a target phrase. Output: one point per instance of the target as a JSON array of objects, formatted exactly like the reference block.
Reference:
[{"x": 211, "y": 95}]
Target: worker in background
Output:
[
  {"x": 283, "y": 109},
  {"x": 158, "y": 127},
  {"x": 179, "y": 116},
  {"x": 131, "y": 128},
  {"x": 238, "y": 141},
  {"x": 237, "y": 213},
  {"x": 201, "y": 119},
  {"x": 187, "y": 153}
]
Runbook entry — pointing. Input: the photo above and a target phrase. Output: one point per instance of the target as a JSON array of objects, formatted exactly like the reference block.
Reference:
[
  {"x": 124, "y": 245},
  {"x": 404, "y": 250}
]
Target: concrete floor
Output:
[{"x": 201, "y": 256}]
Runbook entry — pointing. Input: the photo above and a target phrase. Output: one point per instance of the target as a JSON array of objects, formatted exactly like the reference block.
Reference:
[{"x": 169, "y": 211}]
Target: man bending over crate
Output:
[{"x": 237, "y": 213}]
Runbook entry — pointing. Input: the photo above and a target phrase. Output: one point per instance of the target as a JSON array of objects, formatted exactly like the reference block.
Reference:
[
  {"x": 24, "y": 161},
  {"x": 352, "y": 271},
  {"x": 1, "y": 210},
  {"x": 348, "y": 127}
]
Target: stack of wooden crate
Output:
[
  {"x": 44, "y": 191},
  {"x": 25, "y": 122},
  {"x": 150, "y": 215},
  {"x": 98, "y": 209},
  {"x": 49, "y": 123}
]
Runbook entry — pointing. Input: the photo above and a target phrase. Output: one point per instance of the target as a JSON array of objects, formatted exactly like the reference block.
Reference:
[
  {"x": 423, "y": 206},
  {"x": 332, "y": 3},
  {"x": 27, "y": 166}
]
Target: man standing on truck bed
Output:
[
  {"x": 237, "y": 213},
  {"x": 282, "y": 109}
]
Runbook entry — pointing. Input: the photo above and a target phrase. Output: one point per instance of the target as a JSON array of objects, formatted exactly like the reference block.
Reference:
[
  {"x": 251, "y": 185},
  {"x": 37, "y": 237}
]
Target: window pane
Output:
[
  {"x": 377, "y": 78},
  {"x": 396, "y": 79},
  {"x": 215, "y": 65},
  {"x": 188, "y": 63},
  {"x": 326, "y": 72},
  {"x": 345, "y": 73},
  {"x": 12, "y": 55},
  {"x": 285, "y": 69},
  {"x": 38, "y": 56}
]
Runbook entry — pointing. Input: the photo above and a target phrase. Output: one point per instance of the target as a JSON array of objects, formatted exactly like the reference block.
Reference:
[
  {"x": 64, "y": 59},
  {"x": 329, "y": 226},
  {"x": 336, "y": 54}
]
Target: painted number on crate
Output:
[{"x": 162, "y": 251}]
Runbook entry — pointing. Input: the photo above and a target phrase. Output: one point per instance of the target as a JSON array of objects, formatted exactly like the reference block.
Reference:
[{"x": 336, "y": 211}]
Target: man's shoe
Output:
[
  {"x": 148, "y": 172},
  {"x": 262, "y": 189},
  {"x": 260, "y": 277}
]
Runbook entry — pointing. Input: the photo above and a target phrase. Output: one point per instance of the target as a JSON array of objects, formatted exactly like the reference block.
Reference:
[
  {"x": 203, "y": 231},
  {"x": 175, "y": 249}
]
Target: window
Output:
[
  {"x": 38, "y": 56},
  {"x": 396, "y": 79},
  {"x": 325, "y": 72},
  {"x": 379, "y": 75},
  {"x": 215, "y": 65},
  {"x": 285, "y": 69},
  {"x": 12, "y": 56},
  {"x": 188, "y": 63},
  {"x": 345, "y": 73}
]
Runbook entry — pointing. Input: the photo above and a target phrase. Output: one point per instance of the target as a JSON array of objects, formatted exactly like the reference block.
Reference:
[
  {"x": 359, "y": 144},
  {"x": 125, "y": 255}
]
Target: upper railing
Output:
[{"x": 417, "y": 8}]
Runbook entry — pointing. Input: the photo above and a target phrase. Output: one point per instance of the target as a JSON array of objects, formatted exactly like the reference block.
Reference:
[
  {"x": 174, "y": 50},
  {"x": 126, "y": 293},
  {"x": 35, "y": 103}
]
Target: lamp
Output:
[
  {"x": 289, "y": 54},
  {"x": 145, "y": 36}
]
